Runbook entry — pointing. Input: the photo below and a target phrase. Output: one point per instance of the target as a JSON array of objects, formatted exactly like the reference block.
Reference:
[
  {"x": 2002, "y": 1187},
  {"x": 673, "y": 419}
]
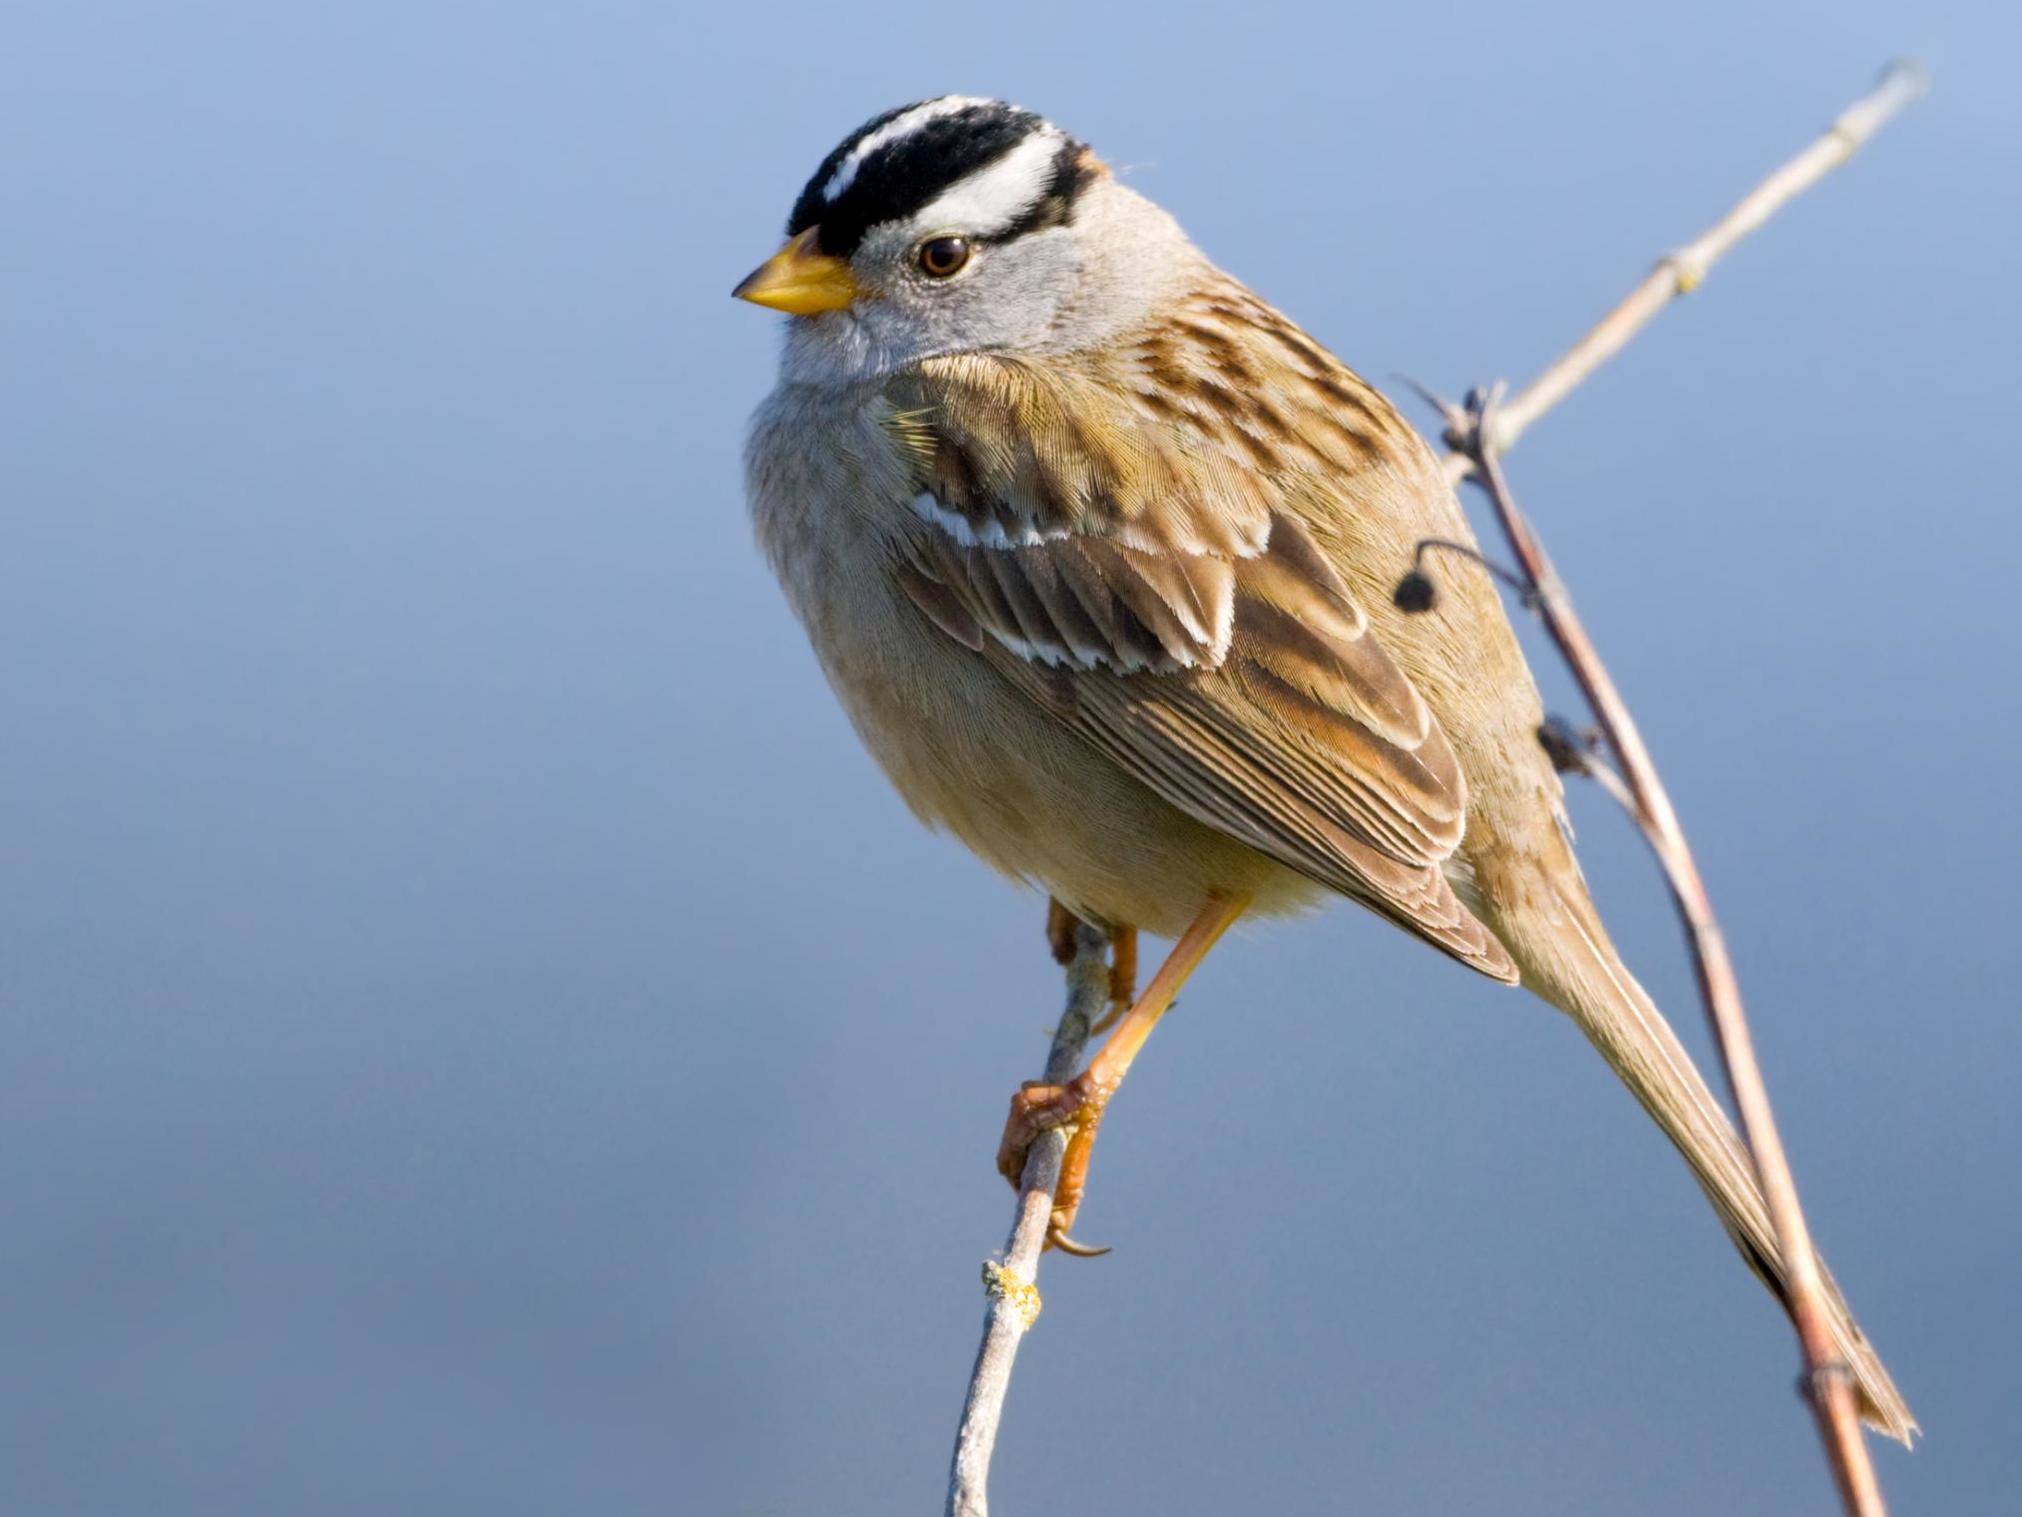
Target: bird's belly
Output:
[{"x": 972, "y": 754}]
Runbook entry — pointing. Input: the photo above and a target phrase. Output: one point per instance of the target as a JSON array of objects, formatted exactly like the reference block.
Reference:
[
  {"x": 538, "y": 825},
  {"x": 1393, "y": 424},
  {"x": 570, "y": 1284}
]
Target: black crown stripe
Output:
[{"x": 908, "y": 172}]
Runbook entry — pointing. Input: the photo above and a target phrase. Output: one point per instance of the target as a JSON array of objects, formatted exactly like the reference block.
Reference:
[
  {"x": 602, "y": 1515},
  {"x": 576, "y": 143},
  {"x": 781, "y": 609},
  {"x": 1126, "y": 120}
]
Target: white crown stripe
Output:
[
  {"x": 899, "y": 126},
  {"x": 993, "y": 197}
]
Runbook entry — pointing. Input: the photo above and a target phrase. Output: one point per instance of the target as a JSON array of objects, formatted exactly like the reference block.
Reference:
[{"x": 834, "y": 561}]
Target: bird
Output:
[{"x": 1099, "y": 552}]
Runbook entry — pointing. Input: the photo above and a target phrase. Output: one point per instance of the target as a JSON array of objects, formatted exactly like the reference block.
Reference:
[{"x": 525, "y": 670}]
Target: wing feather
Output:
[{"x": 1157, "y": 593}]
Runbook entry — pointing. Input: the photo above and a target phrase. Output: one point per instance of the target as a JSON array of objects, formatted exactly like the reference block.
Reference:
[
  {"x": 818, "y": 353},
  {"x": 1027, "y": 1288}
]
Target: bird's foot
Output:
[{"x": 1040, "y": 1108}]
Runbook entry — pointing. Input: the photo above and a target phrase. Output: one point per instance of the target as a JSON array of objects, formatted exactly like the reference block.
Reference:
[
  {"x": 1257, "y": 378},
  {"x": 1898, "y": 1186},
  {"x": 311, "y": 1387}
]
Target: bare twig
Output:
[
  {"x": 1477, "y": 438},
  {"x": 1682, "y": 272},
  {"x": 1011, "y": 1282},
  {"x": 1014, "y": 1299},
  {"x": 1828, "y": 1382}
]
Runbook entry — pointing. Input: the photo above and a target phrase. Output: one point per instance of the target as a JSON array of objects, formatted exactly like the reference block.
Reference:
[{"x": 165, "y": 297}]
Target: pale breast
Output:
[{"x": 831, "y": 497}]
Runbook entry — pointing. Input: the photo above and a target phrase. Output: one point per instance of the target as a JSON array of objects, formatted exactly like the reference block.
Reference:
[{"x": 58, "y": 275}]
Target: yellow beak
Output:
[{"x": 800, "y": 281}]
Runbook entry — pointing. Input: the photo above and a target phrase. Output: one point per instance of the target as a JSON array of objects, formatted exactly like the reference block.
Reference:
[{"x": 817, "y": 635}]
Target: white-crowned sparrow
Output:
[{"x": 1098, "y": 551}]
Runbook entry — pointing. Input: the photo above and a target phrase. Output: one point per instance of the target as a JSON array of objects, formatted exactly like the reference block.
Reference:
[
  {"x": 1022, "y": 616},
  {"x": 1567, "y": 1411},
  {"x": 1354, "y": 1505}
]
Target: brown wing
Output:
[{"x": 1157, "y": 596}]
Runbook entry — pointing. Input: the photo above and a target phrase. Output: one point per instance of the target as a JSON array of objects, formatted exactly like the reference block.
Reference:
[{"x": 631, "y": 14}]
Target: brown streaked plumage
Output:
[
  {"x": 1104, "y": 547},
  {"x": 1098, "y": 550}
]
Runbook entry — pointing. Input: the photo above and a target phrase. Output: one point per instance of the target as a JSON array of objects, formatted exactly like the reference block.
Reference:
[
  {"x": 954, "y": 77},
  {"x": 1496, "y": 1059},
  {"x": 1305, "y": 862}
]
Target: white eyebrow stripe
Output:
[
  {"x": 992, "y": 198},
  {"x": 899, "y": 126}
]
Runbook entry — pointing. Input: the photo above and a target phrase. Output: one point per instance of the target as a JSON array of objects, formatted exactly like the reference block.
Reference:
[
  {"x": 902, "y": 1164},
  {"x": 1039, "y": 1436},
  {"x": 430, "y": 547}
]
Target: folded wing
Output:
[{"x": 1162, "y": 601}]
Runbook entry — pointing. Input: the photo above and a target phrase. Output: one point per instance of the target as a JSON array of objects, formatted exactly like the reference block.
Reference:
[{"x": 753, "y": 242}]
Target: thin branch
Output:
[
  {"x": 1682, "y": 272},
  {"x": 1011, "y": 1282},
  {"x": 1014, "y": 1298},
  {"x": 1828, "y": 1382}
]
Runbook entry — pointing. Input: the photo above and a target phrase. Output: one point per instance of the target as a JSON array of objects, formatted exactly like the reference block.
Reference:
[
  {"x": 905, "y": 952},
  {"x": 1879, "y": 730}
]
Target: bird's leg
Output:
[
  {"x": 1122, "y": 978},
  {"x": 1080, "y": 1102},
  {"x": 1060, "y": 925}
]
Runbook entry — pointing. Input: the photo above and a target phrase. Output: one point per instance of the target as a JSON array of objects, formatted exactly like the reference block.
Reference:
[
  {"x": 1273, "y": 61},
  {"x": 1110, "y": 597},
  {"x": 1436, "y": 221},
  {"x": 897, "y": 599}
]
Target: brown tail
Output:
[{"x": 1570, "y": 963}]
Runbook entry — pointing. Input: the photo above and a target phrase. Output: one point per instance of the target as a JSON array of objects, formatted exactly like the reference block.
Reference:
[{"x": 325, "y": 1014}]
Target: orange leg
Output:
[
  {"x": 1080, "y": 1102},
  {"x": 1060, "y": 925},
  {"x": 1122, "y": 978}
]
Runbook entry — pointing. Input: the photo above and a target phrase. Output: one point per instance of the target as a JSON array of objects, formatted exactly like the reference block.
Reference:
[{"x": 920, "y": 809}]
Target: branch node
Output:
[
  {"x": 1688, "y": 268},
  {"x": 1451, "y": 416},
  {"x": 1020, "y": 1296},
  {"x": 1815, "y": 1385}
]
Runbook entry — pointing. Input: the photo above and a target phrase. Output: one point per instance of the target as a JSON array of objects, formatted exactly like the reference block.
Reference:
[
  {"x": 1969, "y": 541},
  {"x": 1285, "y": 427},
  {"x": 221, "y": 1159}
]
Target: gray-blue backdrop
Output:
[{"x": 477, "y": 1036}]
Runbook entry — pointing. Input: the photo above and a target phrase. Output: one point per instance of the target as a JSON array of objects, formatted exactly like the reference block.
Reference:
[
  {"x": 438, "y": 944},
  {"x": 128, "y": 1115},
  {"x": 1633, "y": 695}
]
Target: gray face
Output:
[
  {"x": 1007, "y": 295},
  {"x": 1051, "y": 249}
]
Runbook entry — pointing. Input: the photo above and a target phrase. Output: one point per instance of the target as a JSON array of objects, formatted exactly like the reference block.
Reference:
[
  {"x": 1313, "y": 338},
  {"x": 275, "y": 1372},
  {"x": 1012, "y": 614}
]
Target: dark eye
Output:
[{"x": 943, "y": 257}]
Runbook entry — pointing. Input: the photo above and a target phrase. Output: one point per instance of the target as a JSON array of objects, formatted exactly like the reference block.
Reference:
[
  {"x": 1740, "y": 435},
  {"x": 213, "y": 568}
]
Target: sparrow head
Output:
[{"x": 954, "y": 225}]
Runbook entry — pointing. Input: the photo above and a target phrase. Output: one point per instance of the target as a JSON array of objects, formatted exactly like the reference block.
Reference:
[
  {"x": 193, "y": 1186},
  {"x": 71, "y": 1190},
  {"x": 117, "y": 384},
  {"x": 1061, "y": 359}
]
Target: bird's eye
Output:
[{"x": 943, "y": 257}]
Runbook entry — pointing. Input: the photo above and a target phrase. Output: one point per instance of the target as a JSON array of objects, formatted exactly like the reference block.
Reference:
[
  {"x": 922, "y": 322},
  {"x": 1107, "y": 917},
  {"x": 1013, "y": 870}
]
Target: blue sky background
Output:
[{"x": 479, "y": 1035}]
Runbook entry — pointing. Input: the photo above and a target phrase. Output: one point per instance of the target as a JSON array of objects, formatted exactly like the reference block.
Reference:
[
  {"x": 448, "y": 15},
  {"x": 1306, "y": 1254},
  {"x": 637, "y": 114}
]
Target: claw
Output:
[
  {"x": 1078, "y": 1104},
  {"x": 1056, "y": 1237}
]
